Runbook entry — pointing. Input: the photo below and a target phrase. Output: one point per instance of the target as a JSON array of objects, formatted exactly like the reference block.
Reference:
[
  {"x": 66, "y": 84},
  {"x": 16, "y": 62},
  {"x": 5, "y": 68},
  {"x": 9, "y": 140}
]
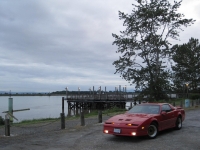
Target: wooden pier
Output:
[{"x": 97, "y": 100}]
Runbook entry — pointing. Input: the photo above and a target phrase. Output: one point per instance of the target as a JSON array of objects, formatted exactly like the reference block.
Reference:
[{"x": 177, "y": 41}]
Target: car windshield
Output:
[{"x": 146, "y": 109}]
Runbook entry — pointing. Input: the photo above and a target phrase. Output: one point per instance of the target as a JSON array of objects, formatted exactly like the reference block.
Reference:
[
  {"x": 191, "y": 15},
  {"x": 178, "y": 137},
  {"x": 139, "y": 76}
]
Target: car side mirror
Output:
[{"x": 163, "y": 112}]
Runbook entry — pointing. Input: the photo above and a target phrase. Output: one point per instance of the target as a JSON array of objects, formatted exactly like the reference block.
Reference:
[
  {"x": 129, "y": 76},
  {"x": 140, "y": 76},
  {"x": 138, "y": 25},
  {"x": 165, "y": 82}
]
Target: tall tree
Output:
[
  {"x": 144, "y": 45},
  {"x": 187, "y": 65}
]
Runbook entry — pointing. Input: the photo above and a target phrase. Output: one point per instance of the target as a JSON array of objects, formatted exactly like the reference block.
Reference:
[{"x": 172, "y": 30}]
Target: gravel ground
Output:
[{"x": 90, "y": 137}]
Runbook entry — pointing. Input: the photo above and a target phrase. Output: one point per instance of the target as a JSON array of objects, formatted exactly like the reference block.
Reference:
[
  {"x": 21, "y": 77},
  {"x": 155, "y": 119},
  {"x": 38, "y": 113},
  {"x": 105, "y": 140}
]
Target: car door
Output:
[
  {"x": 168, "y": 116},
  {"x": 163, "y": 118}
]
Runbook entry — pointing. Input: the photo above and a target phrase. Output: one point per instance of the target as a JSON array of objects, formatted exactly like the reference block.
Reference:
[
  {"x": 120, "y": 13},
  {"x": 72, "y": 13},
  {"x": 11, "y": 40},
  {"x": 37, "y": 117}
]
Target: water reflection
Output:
[{"x": 40, "y": 106}]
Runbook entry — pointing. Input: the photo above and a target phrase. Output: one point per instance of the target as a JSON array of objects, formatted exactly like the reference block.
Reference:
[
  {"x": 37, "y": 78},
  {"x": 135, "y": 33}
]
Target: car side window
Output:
[{"x": 166, "y": 108}]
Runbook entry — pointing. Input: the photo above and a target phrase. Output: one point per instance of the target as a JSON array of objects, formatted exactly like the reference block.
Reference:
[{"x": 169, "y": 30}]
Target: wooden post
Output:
[
  {"x": 76, "y": 108},
  {"x": 62, "y": 115},
  {"x": 69, "y": 108},
  {"x": 135, "y": 102},
  {"x": 82, "y": 119},
  {"x": 7, "y": 127},
  {"x": 63, "y": 104},
  {"x": 100, "y": 116},
  {"x": 10, "y": 107}
]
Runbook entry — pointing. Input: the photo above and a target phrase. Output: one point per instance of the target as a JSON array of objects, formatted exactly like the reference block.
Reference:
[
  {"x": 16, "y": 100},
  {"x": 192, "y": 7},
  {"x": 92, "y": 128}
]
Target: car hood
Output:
[{"x": 130, "y": 118}]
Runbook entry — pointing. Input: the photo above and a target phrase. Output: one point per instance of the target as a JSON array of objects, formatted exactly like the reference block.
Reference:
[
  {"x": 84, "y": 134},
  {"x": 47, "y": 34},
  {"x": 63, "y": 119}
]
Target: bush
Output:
[
  {"x": 194, "y": 96},
  {"x": 1, "y": 121}
]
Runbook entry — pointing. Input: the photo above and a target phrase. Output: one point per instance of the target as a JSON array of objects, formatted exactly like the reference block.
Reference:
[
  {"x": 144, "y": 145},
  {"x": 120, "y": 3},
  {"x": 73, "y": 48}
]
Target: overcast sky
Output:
[{"x": 48, "y": 45}]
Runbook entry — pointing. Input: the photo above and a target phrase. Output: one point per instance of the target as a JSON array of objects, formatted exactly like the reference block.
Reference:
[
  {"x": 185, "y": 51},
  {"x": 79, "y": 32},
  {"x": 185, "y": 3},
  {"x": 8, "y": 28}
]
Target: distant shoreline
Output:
[
  {"x": 57, "y": 93},
  {"x": 32, "y": 95}
]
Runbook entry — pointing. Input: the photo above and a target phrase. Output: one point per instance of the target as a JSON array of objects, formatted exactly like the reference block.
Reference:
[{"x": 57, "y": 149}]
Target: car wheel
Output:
[
  {"x": 178, "y": 123},
  {"x": 152, "y": 131}
]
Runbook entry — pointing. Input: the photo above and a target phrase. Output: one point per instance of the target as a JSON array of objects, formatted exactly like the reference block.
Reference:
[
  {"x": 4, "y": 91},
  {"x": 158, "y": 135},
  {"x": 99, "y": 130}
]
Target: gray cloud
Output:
[{"x": 48, "y": 45}]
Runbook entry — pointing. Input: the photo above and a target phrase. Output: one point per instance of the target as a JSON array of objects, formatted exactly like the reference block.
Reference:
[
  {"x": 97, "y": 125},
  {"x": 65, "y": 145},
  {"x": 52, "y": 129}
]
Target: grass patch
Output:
[
  {"x": 39, "y": 120},
  {"x": 93, "y": 113},
  {"x": 36, "y": 121},
  {"x": 114, "y": 110}
]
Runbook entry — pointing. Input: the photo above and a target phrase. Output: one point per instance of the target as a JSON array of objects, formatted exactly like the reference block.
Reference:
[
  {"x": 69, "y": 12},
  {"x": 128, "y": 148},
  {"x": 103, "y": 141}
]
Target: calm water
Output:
[{"x": 40, "y": 106}]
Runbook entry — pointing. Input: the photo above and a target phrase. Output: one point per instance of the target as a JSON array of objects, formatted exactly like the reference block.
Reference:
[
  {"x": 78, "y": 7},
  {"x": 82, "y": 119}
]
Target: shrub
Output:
[
  {"x": 1, "y": 121},
  {"x": 194, "y": 96}
]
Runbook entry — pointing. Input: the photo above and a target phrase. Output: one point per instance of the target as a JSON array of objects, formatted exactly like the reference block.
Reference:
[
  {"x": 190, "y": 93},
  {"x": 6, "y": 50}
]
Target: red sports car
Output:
[{"x": 145, "y": 119}]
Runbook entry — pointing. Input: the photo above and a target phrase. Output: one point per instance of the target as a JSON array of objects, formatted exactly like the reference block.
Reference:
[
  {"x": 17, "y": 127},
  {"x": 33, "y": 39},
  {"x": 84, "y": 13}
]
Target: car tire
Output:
[
  {"x": 152, "y": 131},
  {"x": 178, "y": 123}
]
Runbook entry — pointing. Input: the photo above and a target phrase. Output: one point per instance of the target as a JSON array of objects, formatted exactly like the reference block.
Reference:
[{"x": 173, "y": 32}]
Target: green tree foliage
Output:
[
  {"x": 144, "y": 47},
  {"x": 187, "y": 65},
  {"x": 1, "y": 121}
]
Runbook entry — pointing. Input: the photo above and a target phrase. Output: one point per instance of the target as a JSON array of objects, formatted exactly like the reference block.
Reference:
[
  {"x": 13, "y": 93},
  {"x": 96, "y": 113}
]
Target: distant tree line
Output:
[
  {"x": 24, "y": 94},
  {"x": 59, "y": 93}
]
